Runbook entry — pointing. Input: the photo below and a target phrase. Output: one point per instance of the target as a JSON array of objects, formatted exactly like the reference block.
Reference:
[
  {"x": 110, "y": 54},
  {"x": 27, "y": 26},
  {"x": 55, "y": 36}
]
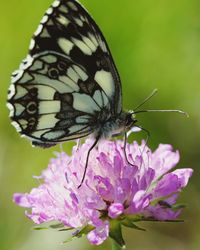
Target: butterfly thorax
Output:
[{"x": 116, "y": 125}]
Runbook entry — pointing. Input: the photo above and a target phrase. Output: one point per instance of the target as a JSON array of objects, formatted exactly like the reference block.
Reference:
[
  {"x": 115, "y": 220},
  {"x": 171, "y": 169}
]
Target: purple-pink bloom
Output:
[{"x": 112, "y": 188}]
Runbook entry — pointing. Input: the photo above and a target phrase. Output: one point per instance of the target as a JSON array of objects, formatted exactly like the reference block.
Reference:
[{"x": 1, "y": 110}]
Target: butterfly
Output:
[{"x": 68, "y": 87}]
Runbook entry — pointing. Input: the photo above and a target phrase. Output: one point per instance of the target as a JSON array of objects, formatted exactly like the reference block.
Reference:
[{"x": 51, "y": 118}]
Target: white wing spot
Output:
[
  {"x": 32, "y": 44},
  {"x": 82, "y": 119},
  {"x": 39, "y": 29},
  {"x": 49, "y": 59},
  {"x": 85, "y": 103},
  {"x": 89, "y": 43},
  {"x": 105, "y": 80},
  {"x": 16, "y": 125},
  {"x": 44, "y": 19},
  {"x": 53, "y": 135},
  {"x": 16, "y": 75},
  {"x": 11, "y": 109},
  {"x": 63, "y": 9},
  {"x": 60, "y": 86},
  {"x": 45, "y": 33},
  {"x": 26, "y": 77},
  {"x": 102, "y": 43},
  {"x": 82, "y": 18},
  {"x": 70, "y": 85},
  {"x": 36, "y": 65},
  {"x": 26, "y": 62},
  {"x": 98, "y": 98},
  {"x": 47, "y": 121},
  {"x": 72, "y": 6},
  {"x": 56, "y": 3},
  {"x": 11, "y": 91},
  {"x": 93, "y": 38},
  {"x": 49, "y": 11},
  {"x": 63, "y": 20},
  {"x": 79, "y": 21},
  {"x": 46, "y": 107},
  {"x": 45, "y": 92},
  {"x": 76, "y": 128},
  {"x": 73, "y": 74},
  {"x": 65, "y": 45},
  {"x": 19, "y": 109},
  {"x": 105, "y": 99},
  {"x": 80, "y": 72},
  {"x": 20, "y": 92},
  {"x": 23, "y": 123},
  {"x": 82, "y": 46},
  {"x": 86, "y": 20},
  {"x": 50, "y": 22},
  {"x": 38, "y": 134}
]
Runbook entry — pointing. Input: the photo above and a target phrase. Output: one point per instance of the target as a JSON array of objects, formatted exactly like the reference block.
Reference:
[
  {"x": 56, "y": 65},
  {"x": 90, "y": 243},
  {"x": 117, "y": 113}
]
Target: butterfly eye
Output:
[
  {"x": 129, "y": 120},
  {"x": 32, "y": 107},
  {"x": 53, "y": 73}
]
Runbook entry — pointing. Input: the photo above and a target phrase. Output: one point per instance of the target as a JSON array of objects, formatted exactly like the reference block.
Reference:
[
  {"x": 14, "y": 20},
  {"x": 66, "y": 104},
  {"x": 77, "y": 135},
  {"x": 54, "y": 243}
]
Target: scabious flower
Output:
[{"x": 114, "y": 193}]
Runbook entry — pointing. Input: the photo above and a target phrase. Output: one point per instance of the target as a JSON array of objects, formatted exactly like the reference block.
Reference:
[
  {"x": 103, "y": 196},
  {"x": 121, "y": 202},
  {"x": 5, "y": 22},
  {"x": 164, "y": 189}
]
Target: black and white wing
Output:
[{"x": 68, "y": 83}]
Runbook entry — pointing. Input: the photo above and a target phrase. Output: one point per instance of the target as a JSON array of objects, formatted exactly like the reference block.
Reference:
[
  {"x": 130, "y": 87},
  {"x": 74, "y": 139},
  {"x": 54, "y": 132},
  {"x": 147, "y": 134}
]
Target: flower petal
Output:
[
  {"x": 159, "y": 213},
  {"x": 183, "y": 174},
  {"x": 115, "y": 210},
  {"x": 172, "y": 182},
  {"x": 100, "y": 234},
  {"x": 21, "y": 200},
  {"x": 164, "y": 159}
]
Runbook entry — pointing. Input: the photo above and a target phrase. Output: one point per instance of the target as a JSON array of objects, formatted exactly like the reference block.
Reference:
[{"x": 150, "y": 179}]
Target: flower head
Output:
[{"x": 113, "y": 191}]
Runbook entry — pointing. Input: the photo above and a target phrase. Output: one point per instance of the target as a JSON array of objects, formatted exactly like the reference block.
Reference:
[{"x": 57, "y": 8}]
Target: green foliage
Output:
[{"x": 116, "y": 232}]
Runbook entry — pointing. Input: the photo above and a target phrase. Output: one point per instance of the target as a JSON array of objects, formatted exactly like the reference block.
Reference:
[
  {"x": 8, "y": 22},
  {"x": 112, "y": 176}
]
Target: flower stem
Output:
[{"x": 116, "y": 246}]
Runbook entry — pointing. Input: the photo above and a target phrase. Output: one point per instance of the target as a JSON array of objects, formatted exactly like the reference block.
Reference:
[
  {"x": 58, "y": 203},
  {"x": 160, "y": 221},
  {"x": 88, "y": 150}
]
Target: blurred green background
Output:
[{"x": 155, "y": 44}]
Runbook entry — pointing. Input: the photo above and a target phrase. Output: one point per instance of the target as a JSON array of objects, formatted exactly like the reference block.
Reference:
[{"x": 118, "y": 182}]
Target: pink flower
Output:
[{"x": 113, "y": 190}]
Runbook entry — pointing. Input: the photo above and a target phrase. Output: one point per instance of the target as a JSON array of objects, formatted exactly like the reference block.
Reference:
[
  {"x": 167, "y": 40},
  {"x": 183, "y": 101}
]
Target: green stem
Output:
[{"x": 116, "y": 246}]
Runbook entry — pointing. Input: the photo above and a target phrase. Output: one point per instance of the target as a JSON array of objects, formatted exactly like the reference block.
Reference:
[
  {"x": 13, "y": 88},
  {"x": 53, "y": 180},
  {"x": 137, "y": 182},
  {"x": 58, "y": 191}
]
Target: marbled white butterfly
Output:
[{"x": 68, "y": 86}]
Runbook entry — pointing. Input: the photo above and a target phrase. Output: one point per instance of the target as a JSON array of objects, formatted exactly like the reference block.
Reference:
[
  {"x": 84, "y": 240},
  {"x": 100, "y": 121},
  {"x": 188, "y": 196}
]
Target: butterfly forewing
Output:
[{"x": 68, "y": 84}]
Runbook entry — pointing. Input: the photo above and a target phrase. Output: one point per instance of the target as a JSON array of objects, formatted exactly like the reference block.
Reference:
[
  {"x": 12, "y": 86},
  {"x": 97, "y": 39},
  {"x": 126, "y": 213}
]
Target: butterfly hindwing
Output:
[
  {"x": 68, "y": 84},
  {"x": 53, "y": 101}
]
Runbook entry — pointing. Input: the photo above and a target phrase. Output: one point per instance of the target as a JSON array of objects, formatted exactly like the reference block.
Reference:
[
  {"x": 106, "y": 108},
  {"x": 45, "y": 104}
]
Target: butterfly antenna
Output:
[
  {"x": 154, "y": 92},
  {"x": 87, "y": 159},
  {"x": 78, "y": 141},
  {"x": 162, "y": 110}
]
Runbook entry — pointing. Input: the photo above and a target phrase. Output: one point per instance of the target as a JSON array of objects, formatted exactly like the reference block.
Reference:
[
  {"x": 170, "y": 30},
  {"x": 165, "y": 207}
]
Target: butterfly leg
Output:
[
  {"x": 118, "y": 134},
  {"x": 147, "y": 138},
  {"x": 125, "y": 143},
  {"x": 78, "y": 144},
  {"x": 87, "y": 159},
  {"x": 124, "y": 148}
]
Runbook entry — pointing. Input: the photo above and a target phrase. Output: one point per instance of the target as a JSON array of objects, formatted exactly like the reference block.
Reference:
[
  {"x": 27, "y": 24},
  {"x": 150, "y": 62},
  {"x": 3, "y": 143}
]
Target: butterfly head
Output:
[
  {"x": 124, "y": 122},
  {"x": 129, "y": 120}
]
